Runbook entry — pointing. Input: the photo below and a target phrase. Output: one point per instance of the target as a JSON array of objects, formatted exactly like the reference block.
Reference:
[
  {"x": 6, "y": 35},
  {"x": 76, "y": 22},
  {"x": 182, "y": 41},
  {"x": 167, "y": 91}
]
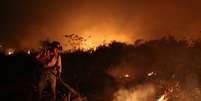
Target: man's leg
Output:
[
  {"x": 53, "y": 87},
  {"x": 41, "y": 85}
]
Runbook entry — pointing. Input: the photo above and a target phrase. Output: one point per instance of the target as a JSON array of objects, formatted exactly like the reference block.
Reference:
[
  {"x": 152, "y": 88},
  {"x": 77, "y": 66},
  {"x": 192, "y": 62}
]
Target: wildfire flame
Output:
[
  {"x": 141, "y": 93},
  {"x": 163, "y": 98}
]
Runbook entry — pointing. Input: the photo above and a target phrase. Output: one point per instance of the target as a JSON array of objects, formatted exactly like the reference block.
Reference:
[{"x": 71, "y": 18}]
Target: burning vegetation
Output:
[{"x": 165, "y": 69}]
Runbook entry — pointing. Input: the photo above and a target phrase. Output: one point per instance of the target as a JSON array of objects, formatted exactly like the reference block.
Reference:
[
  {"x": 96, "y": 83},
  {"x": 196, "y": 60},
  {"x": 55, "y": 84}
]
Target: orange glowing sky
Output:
[{"x": 24, "y": 23}]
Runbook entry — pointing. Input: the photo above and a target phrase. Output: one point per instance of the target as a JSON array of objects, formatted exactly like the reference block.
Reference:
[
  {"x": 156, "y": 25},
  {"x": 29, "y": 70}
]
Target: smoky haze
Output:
[{"x": 24, "y": 23}]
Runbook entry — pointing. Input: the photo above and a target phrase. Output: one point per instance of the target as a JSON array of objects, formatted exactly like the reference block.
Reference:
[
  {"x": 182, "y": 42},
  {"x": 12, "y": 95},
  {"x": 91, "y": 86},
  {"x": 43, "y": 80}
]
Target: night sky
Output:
[{"x": 24, "y": 22}]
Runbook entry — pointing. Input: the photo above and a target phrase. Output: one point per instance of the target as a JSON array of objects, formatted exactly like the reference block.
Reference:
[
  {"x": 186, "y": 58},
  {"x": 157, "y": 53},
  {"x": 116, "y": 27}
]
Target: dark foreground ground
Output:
[{"x": 99, "y": 74}]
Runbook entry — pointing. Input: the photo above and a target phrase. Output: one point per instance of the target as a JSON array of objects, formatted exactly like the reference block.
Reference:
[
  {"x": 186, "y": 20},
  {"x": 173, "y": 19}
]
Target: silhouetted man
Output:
[{"x": 50, "y": 70}]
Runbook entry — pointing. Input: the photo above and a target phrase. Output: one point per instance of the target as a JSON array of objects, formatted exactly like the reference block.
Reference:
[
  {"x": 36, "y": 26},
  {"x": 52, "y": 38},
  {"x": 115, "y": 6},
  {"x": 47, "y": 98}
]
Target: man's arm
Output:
[
  {"x": 42, "y": 56},
  {"x": 59, "y": 66},
  {"x": 52, "y": 62}
]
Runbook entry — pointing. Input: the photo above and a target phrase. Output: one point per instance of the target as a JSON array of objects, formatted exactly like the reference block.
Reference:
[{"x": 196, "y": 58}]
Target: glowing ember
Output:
[
  {"x": 163, "y": 98},
  {"x": 28, "y": 52},
  {"x": 126, "y": 75},
  {"x": 10, "y": 51},
  {"x": 151, "y": 74}
]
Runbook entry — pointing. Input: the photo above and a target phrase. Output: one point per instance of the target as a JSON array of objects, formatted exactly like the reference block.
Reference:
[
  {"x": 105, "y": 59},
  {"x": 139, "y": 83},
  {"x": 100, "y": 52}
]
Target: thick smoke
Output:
[
  {"x": 141, "y": 93},
  {"x": 103, "y": 20},
  {"x": 170, "y": 64}
]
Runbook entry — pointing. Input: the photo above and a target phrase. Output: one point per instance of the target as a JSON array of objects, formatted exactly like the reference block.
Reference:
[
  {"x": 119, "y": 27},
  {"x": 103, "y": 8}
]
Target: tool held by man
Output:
[{"x": 73, "y": 91}]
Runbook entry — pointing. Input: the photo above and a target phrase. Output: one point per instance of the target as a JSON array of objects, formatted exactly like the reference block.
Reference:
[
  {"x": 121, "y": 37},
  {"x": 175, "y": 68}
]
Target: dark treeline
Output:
[{"x": 98, "y": 74}]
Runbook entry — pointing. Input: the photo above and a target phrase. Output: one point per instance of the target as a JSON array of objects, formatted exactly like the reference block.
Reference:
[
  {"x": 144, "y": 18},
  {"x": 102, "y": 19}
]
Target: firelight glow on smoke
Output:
[
  {"x": 141, "y": 93},
  {"x": 104, "y": 20}
]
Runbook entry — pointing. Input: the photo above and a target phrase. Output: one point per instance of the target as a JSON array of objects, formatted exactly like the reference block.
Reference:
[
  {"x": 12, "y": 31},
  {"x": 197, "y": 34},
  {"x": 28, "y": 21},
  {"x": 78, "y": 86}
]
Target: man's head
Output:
[{"x": 55, "y": 47}]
